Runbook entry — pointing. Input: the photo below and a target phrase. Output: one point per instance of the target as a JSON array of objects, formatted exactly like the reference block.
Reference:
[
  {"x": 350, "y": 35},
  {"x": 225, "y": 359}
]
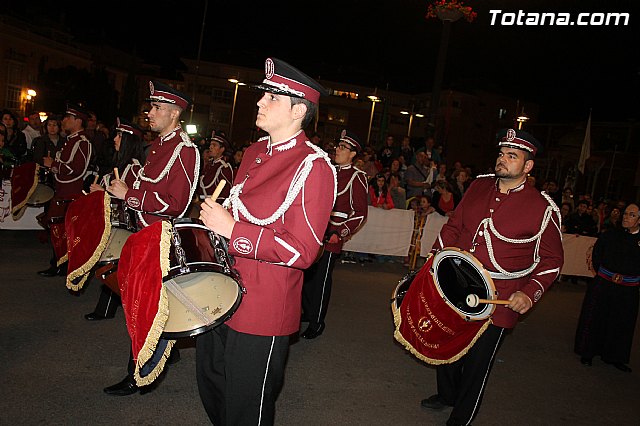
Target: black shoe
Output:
[
  {"x": 586, "y": 361},
  {"x": 125, "y": 387},
  {"x": 96, "y": 317},
  {"x": 174, "y": 357},
  {"x": 312, "y": 332},
  {"x": 620, "y": 366},
  {"x": 51, "y": 272},
  {"x": 434, "y": 402}
]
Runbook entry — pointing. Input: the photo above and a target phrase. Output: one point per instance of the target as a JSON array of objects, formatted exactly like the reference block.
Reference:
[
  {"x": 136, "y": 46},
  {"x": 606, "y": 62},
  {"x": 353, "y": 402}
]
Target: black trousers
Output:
[
  {"x": 240, "y": 375},
  {"x": 108, "y": 303},
  {"x": 462, "y": 383},
  {"x": 316, "y": 289}
]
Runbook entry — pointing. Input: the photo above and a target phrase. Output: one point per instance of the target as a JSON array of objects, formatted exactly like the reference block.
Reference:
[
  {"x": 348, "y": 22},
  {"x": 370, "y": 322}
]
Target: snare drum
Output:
[
  {"x": 122, "y": 226},
  {"x": 203, "y": 288},
  {"x": 44, "y": 190}
]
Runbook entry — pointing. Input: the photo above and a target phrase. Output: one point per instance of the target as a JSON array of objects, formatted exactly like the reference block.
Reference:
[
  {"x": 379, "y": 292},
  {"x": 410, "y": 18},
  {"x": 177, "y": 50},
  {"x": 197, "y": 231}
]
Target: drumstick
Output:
[
  {"x": 218, "y": 190},
  {"x": 473, "y": 300},
  {"x": 95, "y": 180},
  {"x": 116, "y": 173}
]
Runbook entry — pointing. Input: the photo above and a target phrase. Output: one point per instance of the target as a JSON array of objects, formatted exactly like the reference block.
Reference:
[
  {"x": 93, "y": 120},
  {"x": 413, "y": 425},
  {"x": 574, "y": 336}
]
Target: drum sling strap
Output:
[{"x": 188, "y": 303}]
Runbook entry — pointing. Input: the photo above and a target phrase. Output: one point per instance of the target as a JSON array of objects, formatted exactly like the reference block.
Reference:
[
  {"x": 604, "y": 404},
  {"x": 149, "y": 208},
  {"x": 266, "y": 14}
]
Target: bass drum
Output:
[
  {"x": 203, "y": 288},
  {"x": 459, "y": 274}
]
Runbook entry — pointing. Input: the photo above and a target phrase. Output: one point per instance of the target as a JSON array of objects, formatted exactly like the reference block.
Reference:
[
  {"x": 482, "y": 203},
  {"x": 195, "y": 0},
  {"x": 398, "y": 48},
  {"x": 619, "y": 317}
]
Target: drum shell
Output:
[{"x": 207, "y": 282}]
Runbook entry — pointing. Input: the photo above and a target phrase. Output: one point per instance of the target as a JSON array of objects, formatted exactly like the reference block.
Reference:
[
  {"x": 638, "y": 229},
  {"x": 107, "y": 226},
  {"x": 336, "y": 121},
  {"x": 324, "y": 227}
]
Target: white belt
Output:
[{"x": 501, "y": 276}]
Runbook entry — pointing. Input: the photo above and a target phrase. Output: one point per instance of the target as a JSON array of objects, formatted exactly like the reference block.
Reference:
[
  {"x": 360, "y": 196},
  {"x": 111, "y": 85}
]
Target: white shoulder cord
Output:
[
  {"x": 348, "y": 186},
  {"x": 297, "y": 183},
  {"x": 163, "y": 173},
  {"x": 74, "y": 149},
  {"x": 487, "y": 224}
]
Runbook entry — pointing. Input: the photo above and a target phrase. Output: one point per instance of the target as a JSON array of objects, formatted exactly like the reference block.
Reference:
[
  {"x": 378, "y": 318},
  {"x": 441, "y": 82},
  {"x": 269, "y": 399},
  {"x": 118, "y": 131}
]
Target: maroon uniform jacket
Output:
[
  {"x": 281, "y": 201},
  {"x": 517, "y": 229},
  {"x": 168, "y": 179},
  {"x": 350, "y": 209},
  {"x": 70, "y": 165},
  {"x": 212, "y": 174}
]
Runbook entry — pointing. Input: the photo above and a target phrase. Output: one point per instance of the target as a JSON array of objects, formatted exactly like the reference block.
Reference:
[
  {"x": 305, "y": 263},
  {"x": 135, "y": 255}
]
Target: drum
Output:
[
  {"x": 458, "y": 274},
  {"x": 432, "y": 318},
  {"x": 44, "y": 190},
  {"x": 203, "y": 288},
  {"x": 123, "y": 224}
]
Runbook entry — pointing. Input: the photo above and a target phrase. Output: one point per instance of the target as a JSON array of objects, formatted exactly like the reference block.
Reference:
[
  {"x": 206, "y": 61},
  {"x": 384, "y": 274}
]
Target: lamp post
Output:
[
  {"x": 411, "y": 114},
  {"x": 373, "y": 99},
  {"x": 195, "y": 79},
  {"x": 448, "y": 17},
  {"x": 233, "y": 108}
]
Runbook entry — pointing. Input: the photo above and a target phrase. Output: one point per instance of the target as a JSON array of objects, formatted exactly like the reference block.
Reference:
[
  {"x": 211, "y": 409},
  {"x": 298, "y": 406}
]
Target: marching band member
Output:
[
  {"x": 217, "y": 169},
  {"x": 68, "y": 168},
  {"x": 348, "y": 215},
  {"x": 514, "y": 231},
  {"x": 165, "y": 185},
  {"x": 128, "y": 155},
  {"x": 274, "y": 218}
]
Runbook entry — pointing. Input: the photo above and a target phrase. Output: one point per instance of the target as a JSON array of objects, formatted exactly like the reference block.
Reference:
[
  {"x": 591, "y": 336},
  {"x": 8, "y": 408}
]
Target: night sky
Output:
[{"x": 567, "y": 70}]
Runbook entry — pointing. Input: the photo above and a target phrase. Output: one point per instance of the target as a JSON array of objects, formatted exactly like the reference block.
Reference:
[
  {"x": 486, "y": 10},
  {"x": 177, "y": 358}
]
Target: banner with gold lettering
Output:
[{"x": 428, "y": 327}]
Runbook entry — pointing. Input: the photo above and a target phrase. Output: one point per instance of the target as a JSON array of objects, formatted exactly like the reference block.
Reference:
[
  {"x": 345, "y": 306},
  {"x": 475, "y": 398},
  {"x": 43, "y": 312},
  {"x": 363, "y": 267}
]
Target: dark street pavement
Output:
[{"x": 54, "y": 364}]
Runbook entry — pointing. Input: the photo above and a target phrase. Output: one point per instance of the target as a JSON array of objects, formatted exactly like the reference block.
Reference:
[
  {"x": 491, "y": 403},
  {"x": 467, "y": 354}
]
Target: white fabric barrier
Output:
[
  {"x": 28, "y": 219},
  {"x": 386, "y": 232},
  {"x": 577, "y": 255}
]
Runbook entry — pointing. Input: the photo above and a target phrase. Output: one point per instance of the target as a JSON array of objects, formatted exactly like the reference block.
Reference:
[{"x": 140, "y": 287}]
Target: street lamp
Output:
[
  {"x": 373, "y": 99},
  {"x": 411, "y": 115},
  {"x": 522, "y": 118},
  {"x": 233, "y": 108}
]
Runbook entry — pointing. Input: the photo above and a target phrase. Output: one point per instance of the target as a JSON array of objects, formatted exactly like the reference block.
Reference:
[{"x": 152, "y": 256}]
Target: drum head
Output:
[
  {"x": 41, "y": 195},
  {"x": 217, "y": 294},
  {"x": 459, "y": 274},
  {"x": 117, "y": 238}
]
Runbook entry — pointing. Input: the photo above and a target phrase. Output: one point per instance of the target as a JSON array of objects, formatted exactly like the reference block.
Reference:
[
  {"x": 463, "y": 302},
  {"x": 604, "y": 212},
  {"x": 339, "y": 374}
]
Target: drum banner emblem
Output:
[{"x": 428, "y": 327}]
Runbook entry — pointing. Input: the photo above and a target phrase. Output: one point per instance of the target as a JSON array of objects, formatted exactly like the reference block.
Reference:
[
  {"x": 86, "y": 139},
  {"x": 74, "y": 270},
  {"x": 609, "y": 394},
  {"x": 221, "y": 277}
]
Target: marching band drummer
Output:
[
  {"x": 279, "y": 209},
  {"x": 217, "y": 169},
  {"x": 165, "y": 185},
  {"x": 348, "y": 215},
  {"x": 68, "y": 168},
  {"x": 514, "y": 231},
  {"x": 129, "y": 153}
]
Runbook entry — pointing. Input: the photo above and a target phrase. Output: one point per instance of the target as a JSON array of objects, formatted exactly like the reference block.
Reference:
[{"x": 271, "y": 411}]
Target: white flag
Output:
[{"x": 586, "y": 147}]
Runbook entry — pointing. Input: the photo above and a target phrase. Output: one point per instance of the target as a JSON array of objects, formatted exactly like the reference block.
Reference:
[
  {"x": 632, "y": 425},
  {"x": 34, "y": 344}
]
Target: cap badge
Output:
[
  {"x": 151, "y": 87},
  {"x": 343, "y": 134},
  {"x": 511, "y": 135},
  {"x": 269, "y": 68}
]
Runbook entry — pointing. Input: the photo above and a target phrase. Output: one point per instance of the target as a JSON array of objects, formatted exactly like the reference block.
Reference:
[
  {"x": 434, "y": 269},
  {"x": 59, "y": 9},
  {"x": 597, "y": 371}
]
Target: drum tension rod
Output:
[{"x": 179, "y": 251}]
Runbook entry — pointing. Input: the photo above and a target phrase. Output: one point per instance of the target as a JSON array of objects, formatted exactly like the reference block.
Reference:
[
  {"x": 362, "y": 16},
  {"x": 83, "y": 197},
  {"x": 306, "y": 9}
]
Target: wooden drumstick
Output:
[
  {"x": 218, "y": 190},
  {"x": 116, "y": 173},
  {"x": 473, "y": 300},
  {"x": 95, "y": 180}
]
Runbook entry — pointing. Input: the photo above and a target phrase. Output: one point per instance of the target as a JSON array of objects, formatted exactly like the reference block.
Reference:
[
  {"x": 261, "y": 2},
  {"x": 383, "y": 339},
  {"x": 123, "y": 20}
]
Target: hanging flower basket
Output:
[{"x": 450, "y": 10}]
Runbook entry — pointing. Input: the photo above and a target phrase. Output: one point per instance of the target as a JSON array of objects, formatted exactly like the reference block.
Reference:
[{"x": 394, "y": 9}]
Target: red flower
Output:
[{"x": 452, "y": 5}]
